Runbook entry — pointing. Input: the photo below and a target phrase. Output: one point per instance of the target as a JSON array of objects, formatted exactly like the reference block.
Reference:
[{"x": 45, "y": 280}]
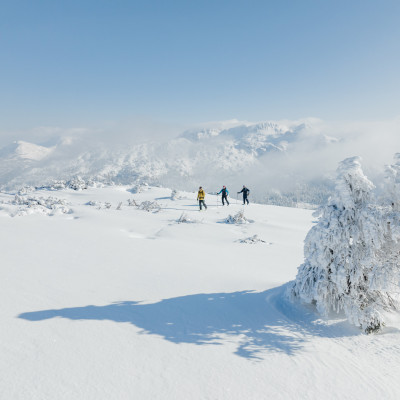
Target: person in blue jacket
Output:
[{"x": 225, "y": 194}]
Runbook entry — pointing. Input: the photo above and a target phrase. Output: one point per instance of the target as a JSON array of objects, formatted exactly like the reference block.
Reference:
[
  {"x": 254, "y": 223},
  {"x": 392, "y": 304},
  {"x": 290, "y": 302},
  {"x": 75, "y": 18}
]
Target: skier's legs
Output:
[{"x": 202, "y": 203}]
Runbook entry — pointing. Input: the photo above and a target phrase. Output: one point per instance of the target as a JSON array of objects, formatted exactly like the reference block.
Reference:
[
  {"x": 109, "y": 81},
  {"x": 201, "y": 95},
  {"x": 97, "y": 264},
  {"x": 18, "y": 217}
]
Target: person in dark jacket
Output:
[
  {"x": 246, "y": 193},
  {"x": 225, "y": 194}
]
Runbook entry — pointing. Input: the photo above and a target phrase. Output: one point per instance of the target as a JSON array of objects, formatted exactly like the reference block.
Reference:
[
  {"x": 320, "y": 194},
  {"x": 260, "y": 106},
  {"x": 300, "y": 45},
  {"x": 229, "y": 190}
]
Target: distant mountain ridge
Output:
[{"x": 210, "y": 155}]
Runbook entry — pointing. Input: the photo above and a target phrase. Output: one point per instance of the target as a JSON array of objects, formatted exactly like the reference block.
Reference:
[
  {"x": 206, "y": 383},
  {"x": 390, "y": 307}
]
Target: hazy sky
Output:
[{"x": 77, "y": 63}]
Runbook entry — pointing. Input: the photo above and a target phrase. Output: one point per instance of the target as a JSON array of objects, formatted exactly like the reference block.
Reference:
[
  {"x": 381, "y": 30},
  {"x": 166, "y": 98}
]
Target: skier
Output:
[
  {"x": 200, "y": 197},
  {"x": 225, "y": 194},
  {"x": 246, "y": 193}
]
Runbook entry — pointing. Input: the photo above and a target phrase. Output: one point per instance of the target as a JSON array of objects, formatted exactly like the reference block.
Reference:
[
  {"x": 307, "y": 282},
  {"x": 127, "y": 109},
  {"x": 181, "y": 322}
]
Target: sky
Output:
[{"x": 99, "y": 63}]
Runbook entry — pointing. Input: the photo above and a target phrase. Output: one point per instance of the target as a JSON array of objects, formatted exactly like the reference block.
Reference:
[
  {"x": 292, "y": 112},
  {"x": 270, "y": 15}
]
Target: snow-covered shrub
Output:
[
  {"x": 132, "y": 203},
  {"x": 25, "y": 190},
  {"x": 139, "y": 188},
  {"x": 392, "y": 183},
  {"x": 252, "y": 240},
  {"x": 238, "y": 218},
  {"x": 56, "y": 185},
  {"x": 77, "y": 184},
  {"x": 351, "y": 254},
  {"x": 175, "y": 195},
  {"x": 184, "y": 218},
  {"x": 149, "y": 206},
  {"x": 46, "y": 205},
  {"x": 99, "y": 204}
]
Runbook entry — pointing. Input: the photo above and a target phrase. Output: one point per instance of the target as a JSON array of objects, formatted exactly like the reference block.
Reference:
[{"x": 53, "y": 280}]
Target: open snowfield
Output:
[{"x": 106, "y": 303}]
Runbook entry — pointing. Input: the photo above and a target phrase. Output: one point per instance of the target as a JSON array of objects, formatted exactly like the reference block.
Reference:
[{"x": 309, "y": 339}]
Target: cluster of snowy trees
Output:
[{"x": 352, "y": 254}]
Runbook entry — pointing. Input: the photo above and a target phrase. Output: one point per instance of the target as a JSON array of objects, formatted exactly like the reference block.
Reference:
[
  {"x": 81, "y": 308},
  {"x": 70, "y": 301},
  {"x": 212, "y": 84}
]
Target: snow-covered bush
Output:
[
  {"x": 25, "y": 190},
  {"x": 46, "y": 205},
  {"x": 351, "y": 254},
  {"x": 252, "y": 240},
  {"x": 238, "y": 218},
  {"x": 132, "y": 203},
  {"x": 175, "y": 195},
  {"x": 99, "y": 204},
  {"x": 139, "y": 188},
  {"x": 149, "y": 206},
  {"x": 184, "y": 218},
  {"x": 392, "y": 183},
  {"x": 77, "y": 184}
]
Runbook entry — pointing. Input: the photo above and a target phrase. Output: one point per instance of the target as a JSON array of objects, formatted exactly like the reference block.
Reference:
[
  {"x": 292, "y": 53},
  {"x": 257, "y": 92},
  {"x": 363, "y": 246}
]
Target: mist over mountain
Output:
[{"x": 282, "y": 162}]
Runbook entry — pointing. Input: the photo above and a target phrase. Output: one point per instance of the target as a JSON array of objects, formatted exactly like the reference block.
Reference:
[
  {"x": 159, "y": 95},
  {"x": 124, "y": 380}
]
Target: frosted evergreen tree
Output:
[
  {"x": 385, "y": 275},
  {"x": 347, "y": 252},
  {"x": 392, "y": 183}
]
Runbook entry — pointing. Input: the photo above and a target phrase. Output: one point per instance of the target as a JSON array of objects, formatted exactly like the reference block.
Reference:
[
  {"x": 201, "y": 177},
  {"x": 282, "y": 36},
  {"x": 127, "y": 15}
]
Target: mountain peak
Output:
[{"x": 25, "y": 150}]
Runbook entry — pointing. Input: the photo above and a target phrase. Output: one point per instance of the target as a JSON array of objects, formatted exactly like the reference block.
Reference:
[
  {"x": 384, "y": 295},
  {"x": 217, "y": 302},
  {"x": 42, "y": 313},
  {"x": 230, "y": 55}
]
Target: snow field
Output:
[{"x": 130, "y": 304}]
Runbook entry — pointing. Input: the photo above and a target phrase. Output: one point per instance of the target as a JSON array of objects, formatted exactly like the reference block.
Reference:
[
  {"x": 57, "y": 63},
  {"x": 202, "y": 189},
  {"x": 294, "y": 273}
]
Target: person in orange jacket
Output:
[{"x": 200, "y": 197}]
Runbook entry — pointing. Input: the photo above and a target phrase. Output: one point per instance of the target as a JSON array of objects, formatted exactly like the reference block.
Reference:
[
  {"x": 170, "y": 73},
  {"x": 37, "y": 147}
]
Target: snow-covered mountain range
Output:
[{"x": 231, "y": 153}]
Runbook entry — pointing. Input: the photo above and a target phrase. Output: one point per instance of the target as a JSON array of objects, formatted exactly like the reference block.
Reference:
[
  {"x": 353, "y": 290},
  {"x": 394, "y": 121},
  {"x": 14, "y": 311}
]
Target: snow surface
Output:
[{"x": 104, "y": 303}]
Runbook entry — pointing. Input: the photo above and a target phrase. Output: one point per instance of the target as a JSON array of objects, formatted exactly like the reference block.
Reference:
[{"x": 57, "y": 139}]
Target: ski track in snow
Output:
[{"x": 134, "y": 304}]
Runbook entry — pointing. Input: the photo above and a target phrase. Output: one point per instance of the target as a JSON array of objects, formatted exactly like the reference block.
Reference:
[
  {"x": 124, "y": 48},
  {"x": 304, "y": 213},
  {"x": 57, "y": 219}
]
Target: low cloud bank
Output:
[{"x": 304, "y": 159}]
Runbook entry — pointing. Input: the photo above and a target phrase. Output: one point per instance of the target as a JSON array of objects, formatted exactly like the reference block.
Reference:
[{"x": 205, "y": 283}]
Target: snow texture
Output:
[{"x": 125, "y": 304}]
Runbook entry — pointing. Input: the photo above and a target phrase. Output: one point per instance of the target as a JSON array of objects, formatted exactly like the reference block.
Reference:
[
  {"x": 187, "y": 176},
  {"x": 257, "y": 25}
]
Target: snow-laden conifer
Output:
[
  {"x": 350, "y": 254},
  {"x": 392, "y": 183}
]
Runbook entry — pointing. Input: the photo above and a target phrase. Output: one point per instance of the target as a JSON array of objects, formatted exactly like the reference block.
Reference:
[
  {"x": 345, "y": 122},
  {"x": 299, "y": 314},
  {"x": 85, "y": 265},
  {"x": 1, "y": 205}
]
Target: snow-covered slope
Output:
[
  {"x": 232, "y": 153},
  {"x": 100, "y": 299}
]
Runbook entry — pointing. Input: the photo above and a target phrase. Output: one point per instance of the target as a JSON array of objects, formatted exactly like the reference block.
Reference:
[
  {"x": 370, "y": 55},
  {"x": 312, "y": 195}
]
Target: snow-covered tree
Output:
[
  {"x": 392, "y": 183},
  {"x": 350, "y": 254},
  {"x": 175, "y": 195}
]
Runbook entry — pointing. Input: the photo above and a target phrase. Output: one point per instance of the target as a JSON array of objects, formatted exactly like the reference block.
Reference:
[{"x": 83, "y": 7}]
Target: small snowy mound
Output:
[
  {"x": 252, "y": 240},
  {"x": 238, "y": 218}
]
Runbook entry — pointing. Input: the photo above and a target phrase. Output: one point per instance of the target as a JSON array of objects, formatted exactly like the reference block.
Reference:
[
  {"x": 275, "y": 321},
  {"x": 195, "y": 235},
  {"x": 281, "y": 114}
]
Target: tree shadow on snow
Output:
[{"x": 257, "y": 322}]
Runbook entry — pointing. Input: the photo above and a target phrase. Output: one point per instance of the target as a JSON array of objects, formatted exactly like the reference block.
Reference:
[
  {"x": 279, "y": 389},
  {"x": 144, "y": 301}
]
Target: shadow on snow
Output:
[{"x": 258, "y": 322}]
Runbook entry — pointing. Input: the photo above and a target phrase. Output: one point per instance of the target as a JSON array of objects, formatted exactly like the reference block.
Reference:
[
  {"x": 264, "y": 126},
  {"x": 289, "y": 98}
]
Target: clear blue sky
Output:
[{"x": 82, "y": 62}]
